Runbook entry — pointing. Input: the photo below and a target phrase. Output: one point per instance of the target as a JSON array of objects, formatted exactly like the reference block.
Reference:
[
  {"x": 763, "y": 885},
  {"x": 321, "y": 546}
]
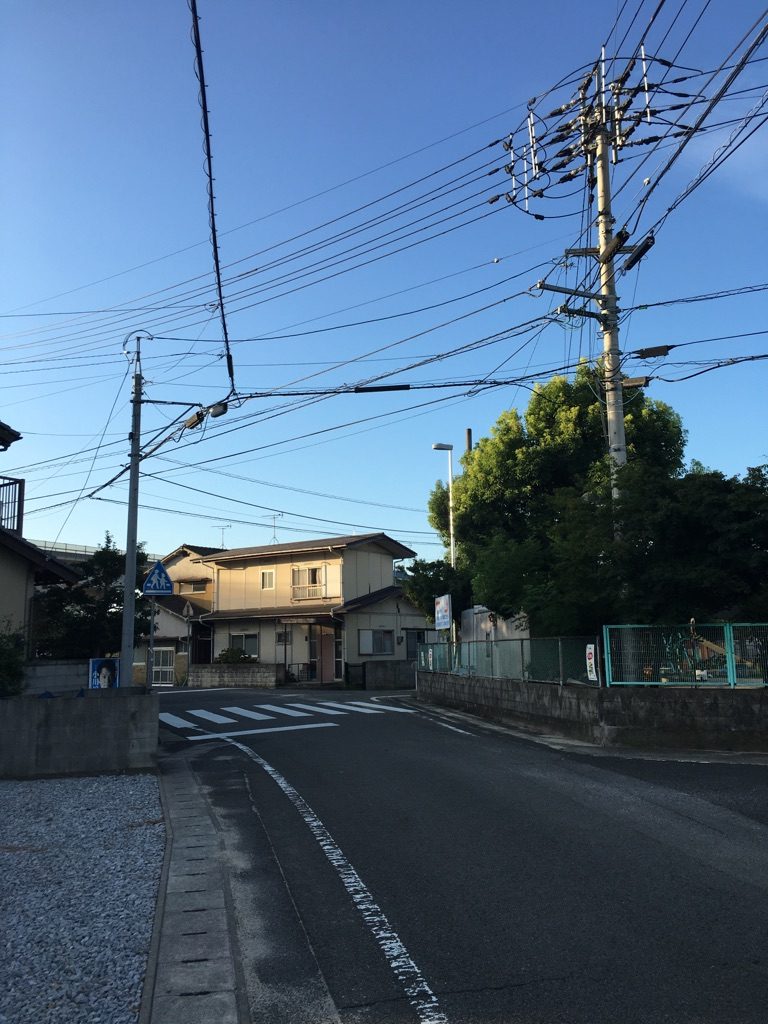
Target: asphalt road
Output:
[{"x": 418, "y": 867}]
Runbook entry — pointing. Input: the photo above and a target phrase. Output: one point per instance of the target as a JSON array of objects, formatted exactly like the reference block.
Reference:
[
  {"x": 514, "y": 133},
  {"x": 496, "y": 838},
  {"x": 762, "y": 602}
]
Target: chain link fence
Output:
[
  {"x": 723, "y": 654},
  {"x": 544, "y": 659}
]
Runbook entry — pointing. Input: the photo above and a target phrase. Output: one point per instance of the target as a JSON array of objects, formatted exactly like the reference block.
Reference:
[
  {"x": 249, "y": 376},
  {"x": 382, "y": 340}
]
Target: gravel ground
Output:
[{"x": 80, "y": 863}]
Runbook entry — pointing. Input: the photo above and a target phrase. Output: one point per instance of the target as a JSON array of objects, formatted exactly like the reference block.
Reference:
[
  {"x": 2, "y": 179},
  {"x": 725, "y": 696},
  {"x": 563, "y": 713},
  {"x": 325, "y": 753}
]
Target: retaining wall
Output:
[
  {"x": 253, "y": 673},
  {"x": 55, "y": 676},
  {"x": 389, "y": 675},
  {"x": 100, "y": 731},
  {"x": 722, "y": 719}
]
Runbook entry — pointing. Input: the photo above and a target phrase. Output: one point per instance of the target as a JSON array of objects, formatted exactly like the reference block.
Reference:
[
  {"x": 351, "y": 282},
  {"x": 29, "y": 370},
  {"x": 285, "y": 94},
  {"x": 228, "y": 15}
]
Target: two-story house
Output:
[
  {"x": 182, "y": 636},
  {"x": 318, "y": 608},
  {"x": 23, "y": 565}
]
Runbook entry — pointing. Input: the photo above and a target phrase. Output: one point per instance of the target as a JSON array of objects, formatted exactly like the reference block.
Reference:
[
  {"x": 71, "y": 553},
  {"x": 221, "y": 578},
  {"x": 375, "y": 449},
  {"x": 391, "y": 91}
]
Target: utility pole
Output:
[
  {"x": 129, "y": 582},
  {"x": 614, "y": 392}
]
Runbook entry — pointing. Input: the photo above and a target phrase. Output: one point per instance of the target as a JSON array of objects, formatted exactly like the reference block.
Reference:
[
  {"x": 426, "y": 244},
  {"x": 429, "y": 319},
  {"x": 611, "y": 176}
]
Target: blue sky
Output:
[{"x": 318, "y": 110}]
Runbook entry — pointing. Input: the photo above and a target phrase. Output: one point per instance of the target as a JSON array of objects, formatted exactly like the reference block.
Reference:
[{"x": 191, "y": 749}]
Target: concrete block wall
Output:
[
  {"x": 687, "y": 718},
  {"x": 389, "y": 675},
  {"x": 253, "y": 673},
  {"x": 101, "y": 731},
  {"x": 55, "y": 676}
]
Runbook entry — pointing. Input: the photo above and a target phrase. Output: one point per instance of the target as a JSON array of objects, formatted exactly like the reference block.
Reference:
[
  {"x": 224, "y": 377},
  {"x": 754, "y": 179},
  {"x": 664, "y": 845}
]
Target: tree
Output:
[
  {"x": 428, "y": 580},
  {"x": 11, "y": 661},
  {"x": 85, "y": 620},
  {"x": 533, "y": 515},
  {"x": 695, "y": 546}
]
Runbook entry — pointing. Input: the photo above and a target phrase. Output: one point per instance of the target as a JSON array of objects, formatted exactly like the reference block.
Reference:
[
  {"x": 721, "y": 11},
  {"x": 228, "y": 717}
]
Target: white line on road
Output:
[
  {"x": 420, "y": 995},
  {"x": 211, "y": 716},
  {"x": 349, "y": 706},
  {"x": 279, "y": 710},
  {"x": 318, "y": 708},
  {"x": 176, "y": 722},
  {"x": 453, "y": 728},
  {"x": 247, "y": 713},
  {"x": 386, "y": 707},
  {"x": 259, "y": 732}
]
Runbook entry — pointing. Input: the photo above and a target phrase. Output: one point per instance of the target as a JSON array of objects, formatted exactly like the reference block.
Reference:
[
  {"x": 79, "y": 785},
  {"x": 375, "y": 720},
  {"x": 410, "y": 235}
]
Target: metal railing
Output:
[
  {"x": 560, "y": 660},
  {"x": 714, "y": 655}
]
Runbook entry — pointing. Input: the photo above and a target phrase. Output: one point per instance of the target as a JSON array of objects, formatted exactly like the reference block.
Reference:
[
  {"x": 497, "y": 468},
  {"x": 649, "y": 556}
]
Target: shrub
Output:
[
  {"x": 233, "y": 656},
  {"x": 11, "y": 662}
]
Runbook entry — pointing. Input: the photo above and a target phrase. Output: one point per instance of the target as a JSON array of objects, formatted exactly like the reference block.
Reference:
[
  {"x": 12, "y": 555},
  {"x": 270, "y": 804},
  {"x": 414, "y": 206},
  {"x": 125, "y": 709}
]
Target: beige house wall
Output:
[
  {"x": 366, "y": 570},
  {"x": 182, "y": 569},
  {"x": 393, "y": 614},
  {"x": 241, "y": 586},
  {"x": 16, "y": 588}
]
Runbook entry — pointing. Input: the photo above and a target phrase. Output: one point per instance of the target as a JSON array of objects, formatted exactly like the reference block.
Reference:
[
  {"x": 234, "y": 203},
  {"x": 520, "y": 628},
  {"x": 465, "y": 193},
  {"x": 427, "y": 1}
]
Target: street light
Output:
[{"x": 449, "y": 448}]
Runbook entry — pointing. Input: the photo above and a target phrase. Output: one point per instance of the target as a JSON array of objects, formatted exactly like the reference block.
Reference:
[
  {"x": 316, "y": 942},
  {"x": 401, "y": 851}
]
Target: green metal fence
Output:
[
  {"x": 719, "y": 655},
  {"x": 546, "y": 659}
]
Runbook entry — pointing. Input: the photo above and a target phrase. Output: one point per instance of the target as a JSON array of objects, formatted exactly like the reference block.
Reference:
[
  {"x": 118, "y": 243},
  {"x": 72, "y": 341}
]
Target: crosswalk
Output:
[{"x": 205, "y": 723}]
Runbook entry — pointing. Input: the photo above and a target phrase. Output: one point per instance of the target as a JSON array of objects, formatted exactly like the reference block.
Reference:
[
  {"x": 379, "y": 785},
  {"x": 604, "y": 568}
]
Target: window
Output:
[
  {"x": 248, "y": 642},
  {"x": 307, "y": 583},
  {"x": 267, "y": 579},
  {"x": 376, "y": 641},
  {"x": 284, "y": 636},
  {"x": 163, "y": 666},
  {"x": 198, "y": 587}
]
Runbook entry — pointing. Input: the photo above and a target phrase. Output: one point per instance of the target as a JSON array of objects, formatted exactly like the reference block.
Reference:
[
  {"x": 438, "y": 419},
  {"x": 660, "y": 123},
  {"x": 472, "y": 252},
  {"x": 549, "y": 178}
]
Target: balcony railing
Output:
[
  {"x": 307, "y": 593},
  {"x": 11, "y": 504}
]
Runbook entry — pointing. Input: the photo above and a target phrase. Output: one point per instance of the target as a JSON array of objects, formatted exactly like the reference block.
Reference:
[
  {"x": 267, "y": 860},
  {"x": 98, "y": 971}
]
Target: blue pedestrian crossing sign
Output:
[{"x": 158, "y": 583}]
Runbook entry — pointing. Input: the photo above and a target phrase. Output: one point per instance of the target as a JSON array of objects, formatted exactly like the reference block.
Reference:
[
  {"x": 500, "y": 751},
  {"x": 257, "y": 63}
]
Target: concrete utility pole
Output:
[
  {"x": 614, "y": 392},
  {"x": 129, "y": 583}
]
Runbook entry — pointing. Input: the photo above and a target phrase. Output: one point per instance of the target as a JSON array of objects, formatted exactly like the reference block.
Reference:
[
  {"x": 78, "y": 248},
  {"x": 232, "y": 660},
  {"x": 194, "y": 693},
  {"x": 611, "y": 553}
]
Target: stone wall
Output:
[
  {"x": 99, "y": 731},
  {"x": 721, "y": 719}
]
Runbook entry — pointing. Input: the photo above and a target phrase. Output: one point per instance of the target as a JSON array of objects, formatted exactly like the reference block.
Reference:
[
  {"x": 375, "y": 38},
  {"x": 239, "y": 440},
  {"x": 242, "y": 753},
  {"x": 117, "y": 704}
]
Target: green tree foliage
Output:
[
  {"x": 11, "y": 661},
  {"x": 535, "y": 524},
  {"x": 428, "y": 580},
  {"x": 85, "y": 620}
]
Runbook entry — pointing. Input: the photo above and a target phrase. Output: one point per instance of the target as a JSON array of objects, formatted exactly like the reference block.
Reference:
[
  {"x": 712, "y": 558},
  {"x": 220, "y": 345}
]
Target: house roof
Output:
[
  {"x": 365, "y": 600},
  {"x": 189, "y": 549},
  {"x": 47, "y": 569},
  {"x": 290, "y": 613},
  {"x": 7, "y": 436},
  {"x": 382, "y": 540},
  {"x": 176, "y": 603}
]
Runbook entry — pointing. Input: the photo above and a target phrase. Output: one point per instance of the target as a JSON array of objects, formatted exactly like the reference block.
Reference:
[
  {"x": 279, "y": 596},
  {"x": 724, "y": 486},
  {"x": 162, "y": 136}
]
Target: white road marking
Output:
[
  {"x": 386, "y": 707},
  {"x": 259, "y": 732},
  {"x": 349, "y": 706},
  {"x": 211, "y": 716},
  {"x": 246, "y": 713},
  {"x": 317, "y": 708},
  {"x": 420, "y": 996},
  {"x": 176, "y": 722},
  {"x": 453, "y": 728},
  {"x": 284, "y": 711}
]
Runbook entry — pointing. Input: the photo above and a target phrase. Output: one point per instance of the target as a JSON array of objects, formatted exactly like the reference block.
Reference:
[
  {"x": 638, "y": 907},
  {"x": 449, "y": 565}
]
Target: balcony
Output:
[
  {"x": 11, "y": 504},
  {"x": 311, "y": 592}
]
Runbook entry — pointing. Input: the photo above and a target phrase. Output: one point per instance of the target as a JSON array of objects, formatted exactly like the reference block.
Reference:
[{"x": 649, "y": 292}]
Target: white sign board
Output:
[
  {"x": 158, "y": 583},
  {"x": 443, "y": 612},
  {"x": 591, "y": 667}
]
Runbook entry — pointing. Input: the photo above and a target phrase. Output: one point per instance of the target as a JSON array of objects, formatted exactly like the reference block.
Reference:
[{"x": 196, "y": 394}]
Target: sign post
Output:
[{"x": 157, "y": 584}]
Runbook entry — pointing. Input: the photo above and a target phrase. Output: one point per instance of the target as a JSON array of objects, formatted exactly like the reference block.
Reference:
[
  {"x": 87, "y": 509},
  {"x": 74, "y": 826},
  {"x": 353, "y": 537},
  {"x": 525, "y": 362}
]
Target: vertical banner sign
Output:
[
  {"x": 591, "y": 667},
  {"x": 443, "y": 612}
]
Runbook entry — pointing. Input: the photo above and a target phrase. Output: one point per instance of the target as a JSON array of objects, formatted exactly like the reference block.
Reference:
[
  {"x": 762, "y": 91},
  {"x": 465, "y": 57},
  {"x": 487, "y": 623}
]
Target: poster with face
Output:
[{"x": 103, "y": 673}]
